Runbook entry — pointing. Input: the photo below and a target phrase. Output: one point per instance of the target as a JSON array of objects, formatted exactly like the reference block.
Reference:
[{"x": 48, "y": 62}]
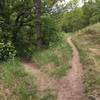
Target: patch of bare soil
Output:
[
  {"x": 96, "y": 51},
  {"x": 69, "y": 87}
]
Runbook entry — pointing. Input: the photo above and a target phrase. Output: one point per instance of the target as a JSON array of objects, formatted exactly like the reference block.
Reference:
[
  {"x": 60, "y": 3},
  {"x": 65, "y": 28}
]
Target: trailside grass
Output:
[
  {"x": 86, "y": 40},
  {"x": 55, "y": 61},
  {"x": 16, "y": 84}
]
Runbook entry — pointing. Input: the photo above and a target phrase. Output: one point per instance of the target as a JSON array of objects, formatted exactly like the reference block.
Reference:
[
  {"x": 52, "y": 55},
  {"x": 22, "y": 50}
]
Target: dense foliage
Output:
[
  {"x": 31, "y": 24},
  {"x": 27, "y": 25},
  {"x": 7, "y": 51},
  {"x": 80, "y": 17}
]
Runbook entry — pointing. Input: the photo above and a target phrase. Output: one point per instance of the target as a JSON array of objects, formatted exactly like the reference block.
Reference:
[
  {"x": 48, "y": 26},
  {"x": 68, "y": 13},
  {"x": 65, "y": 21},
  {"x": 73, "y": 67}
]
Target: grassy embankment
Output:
[{"x": 88, "y": 44}]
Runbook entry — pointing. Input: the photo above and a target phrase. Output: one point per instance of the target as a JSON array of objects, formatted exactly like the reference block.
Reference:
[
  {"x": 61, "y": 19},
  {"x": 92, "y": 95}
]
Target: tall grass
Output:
[
  {"x": 55, "y": 61},
  {"x": 15, "y": 83}
]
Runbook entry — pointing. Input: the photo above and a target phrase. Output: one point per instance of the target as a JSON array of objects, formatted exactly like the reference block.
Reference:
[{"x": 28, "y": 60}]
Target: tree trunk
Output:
[
  {"x": 38, "y": 29},
  {"x": 15, "y": 30}
]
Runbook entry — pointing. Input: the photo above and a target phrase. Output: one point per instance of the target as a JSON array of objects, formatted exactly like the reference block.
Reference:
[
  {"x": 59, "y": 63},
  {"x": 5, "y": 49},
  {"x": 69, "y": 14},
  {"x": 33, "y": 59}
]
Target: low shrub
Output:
[{"x": 7, "y": 51}]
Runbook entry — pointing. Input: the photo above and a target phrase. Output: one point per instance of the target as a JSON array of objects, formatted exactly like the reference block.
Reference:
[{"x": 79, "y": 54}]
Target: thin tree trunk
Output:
[
  {"x": 15, "y": 30},
  {"x": 38, "y": 29}
]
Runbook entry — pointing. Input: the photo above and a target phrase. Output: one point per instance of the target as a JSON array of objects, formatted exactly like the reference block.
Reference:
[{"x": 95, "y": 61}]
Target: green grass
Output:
[
  {"x": 48, "y": 94},
  {"x": 15, "y": 84},
  {"x": 55, "y": 61},
  {"x": 85, "y": 40}
]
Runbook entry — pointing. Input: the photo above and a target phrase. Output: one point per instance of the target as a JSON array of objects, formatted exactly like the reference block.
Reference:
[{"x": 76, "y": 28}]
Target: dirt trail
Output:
[
  {"x": 70, "y": 86},
  {"x": 43, "y": 81}
]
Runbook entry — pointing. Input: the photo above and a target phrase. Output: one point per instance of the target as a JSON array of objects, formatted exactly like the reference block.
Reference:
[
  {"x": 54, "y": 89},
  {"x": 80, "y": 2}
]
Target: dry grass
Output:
[{"x": 88, "y": 43}]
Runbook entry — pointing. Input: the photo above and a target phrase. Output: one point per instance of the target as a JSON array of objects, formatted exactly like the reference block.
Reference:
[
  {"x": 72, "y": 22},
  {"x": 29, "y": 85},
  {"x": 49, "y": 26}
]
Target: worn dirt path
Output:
[
  {"x": 69, "y": 87},
  {"x": 43, "y": 81},
  {"x": 73, "y": 88}
]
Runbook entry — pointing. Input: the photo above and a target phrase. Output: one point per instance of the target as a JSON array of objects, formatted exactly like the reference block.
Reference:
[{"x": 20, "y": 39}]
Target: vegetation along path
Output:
[{"x": 69, "y": 87}]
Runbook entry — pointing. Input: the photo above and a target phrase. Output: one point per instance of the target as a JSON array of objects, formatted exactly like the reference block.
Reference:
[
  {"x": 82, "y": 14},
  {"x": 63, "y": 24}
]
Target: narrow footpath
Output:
[{"x": 71, "y": 86}]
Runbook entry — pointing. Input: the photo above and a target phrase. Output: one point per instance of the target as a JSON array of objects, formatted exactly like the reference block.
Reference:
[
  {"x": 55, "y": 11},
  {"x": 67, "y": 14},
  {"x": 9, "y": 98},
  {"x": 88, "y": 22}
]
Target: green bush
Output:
[
  {"x": 7, "y": 51},
  {"x": 50, "y": 30}
]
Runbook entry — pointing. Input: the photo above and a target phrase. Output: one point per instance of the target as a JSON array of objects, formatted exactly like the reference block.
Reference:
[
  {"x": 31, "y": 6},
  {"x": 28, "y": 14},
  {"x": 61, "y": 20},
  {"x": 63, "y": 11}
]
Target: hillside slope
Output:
[
  {"x": 88, "y": 44},
  {"x": 60, "y": 64}
]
